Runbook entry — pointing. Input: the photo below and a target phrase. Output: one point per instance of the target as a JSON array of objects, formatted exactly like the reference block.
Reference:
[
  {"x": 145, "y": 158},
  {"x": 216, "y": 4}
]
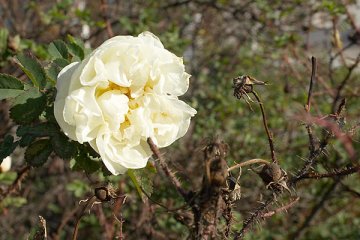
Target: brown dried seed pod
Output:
[
  {"x": 102, "y": 194},
  {"x": 271, "y": 173},
  {"x": 244, "y": 84}
]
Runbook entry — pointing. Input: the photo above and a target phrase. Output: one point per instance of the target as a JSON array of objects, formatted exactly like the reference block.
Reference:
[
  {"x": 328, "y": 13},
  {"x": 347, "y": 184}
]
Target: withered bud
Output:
[
  {"x": 271, "y": 173},
  {"x": 244, "y": 84},
  {"x": 103, "y": 194}
]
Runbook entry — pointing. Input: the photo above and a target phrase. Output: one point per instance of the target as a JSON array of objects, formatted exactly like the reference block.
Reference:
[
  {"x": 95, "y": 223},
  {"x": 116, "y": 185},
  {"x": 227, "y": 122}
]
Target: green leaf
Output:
[
  {"x": 143, "y": 179},
  {"x": 39, "y": 130},
  {"x": 53, "y": 71},
  {"x": 58, "y": 49},
  {"x": 84, "y": 162},
  {"x": 38, "y": 152},
  {"x": 7, "y": 147},
  {"x": 10, "y": 86},
  {"x": 33, "y": 69},
  {"x": 63, "y": 147},
  {"x": 26, "y": 140},
  {"x": 4, "y": 34},
  {"x": 61, "y": 62},
  {"x": 29, "y": 111},
  {"x": 29, "y": 92},
  {"x": 76, "y": 41},
  {"x": 76, "y": 50},
  {"x": 49, "y": 114}
]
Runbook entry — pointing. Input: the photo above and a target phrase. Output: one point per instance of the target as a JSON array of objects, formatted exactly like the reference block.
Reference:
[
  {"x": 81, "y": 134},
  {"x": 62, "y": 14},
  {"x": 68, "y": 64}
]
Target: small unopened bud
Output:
[{"x": 5, "y": 165}]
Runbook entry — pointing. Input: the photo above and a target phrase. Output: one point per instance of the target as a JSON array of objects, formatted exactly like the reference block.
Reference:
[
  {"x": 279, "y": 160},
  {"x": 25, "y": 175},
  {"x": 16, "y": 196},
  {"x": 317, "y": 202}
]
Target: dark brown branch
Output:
[
  {"x": 350, "y": 190},
  {"x": 166, "y": 169},
  {"x": 312, "y": 82},
  {"x": 308, "y": 105},
  {"x": 343, "y": 83},
  {"x": 323, "y": 143},
  {"x": 87, "y": 204},
  {"x": 256, "y": 215},
  {"x": 268, "y": 133},
  {"x": 333, "y": 173},
  {"x": 280, "y": 209},
  {"x": 16, "y": 184}
]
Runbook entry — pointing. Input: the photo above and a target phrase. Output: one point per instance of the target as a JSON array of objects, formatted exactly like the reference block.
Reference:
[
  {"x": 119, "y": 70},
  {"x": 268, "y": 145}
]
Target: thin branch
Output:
[
  {"x": 67, "y": 217},
  {"x": 323, "y": 143},
  {"x": 268, "y": 133},
  {"x": 350, "y": 190},
  {"x": 76, "y": 229},
  {"x": 351, "y": 18},
  {"x": 162, "y": 205},
  {"x": 16, "y": 184},
  {"x": 333, "y": 173},
  {"x": 308, "y": 105},
  {"x": 253, "y": 218},
  {"x": 248, "y": 162},
  {"x": 166, "y": 169},
  {"x": 312, "y": 82},
  {"x": 343, "y": 83},
  {"x": 281, "y": 209}
]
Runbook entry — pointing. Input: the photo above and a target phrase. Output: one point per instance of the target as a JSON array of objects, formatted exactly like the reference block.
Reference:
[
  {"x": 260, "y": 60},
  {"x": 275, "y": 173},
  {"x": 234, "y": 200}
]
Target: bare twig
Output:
[
  {"x": 312, "y": 82},
  {"x": 67, "y": 217},
  {"x": 308, "y": 105},
  {"x": 268, "y": 133},
  {"x": 351, "y": 17},
  {"x": 350, "y": 190},
  {"x": 166, "y": 169},
  {"x": 87, "y": 204},
  {"x": 333, "y": 173},
  {"x": 253, "y": 218},
  {"x": 248, "y": 162},
  {"x": 281, "y": 209},
  {"x": 343, "y": 83},
  {"x": 17, "y": 183}
]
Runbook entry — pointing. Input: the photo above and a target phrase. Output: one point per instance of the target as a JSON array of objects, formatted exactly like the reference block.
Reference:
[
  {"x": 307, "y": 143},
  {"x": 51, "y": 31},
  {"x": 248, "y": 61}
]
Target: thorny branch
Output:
[
  {"x": 257, "y": 214},
  {"x": 281, "y": 209},
  {"x": 166, "y": 169}
]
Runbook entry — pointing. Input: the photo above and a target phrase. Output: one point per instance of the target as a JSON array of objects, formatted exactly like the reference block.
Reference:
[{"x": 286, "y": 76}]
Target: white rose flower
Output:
[
  {"x": 6, "y": 164},
  {"x": 124, "y": 92}
]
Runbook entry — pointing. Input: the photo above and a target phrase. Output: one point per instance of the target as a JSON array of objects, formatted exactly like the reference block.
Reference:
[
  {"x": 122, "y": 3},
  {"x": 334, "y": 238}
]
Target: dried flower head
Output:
[{"x": 244, "y": 85}]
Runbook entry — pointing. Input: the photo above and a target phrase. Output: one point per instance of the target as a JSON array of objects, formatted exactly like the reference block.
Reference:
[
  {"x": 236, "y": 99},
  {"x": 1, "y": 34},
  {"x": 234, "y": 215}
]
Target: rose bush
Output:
[{"x": 124, "y": 92}]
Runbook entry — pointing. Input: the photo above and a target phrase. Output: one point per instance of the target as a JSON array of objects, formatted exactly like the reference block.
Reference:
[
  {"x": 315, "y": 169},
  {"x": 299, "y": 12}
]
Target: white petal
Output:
[
  {"x": 62, "y": 85},
  {"x": 114, "y": 106}
]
